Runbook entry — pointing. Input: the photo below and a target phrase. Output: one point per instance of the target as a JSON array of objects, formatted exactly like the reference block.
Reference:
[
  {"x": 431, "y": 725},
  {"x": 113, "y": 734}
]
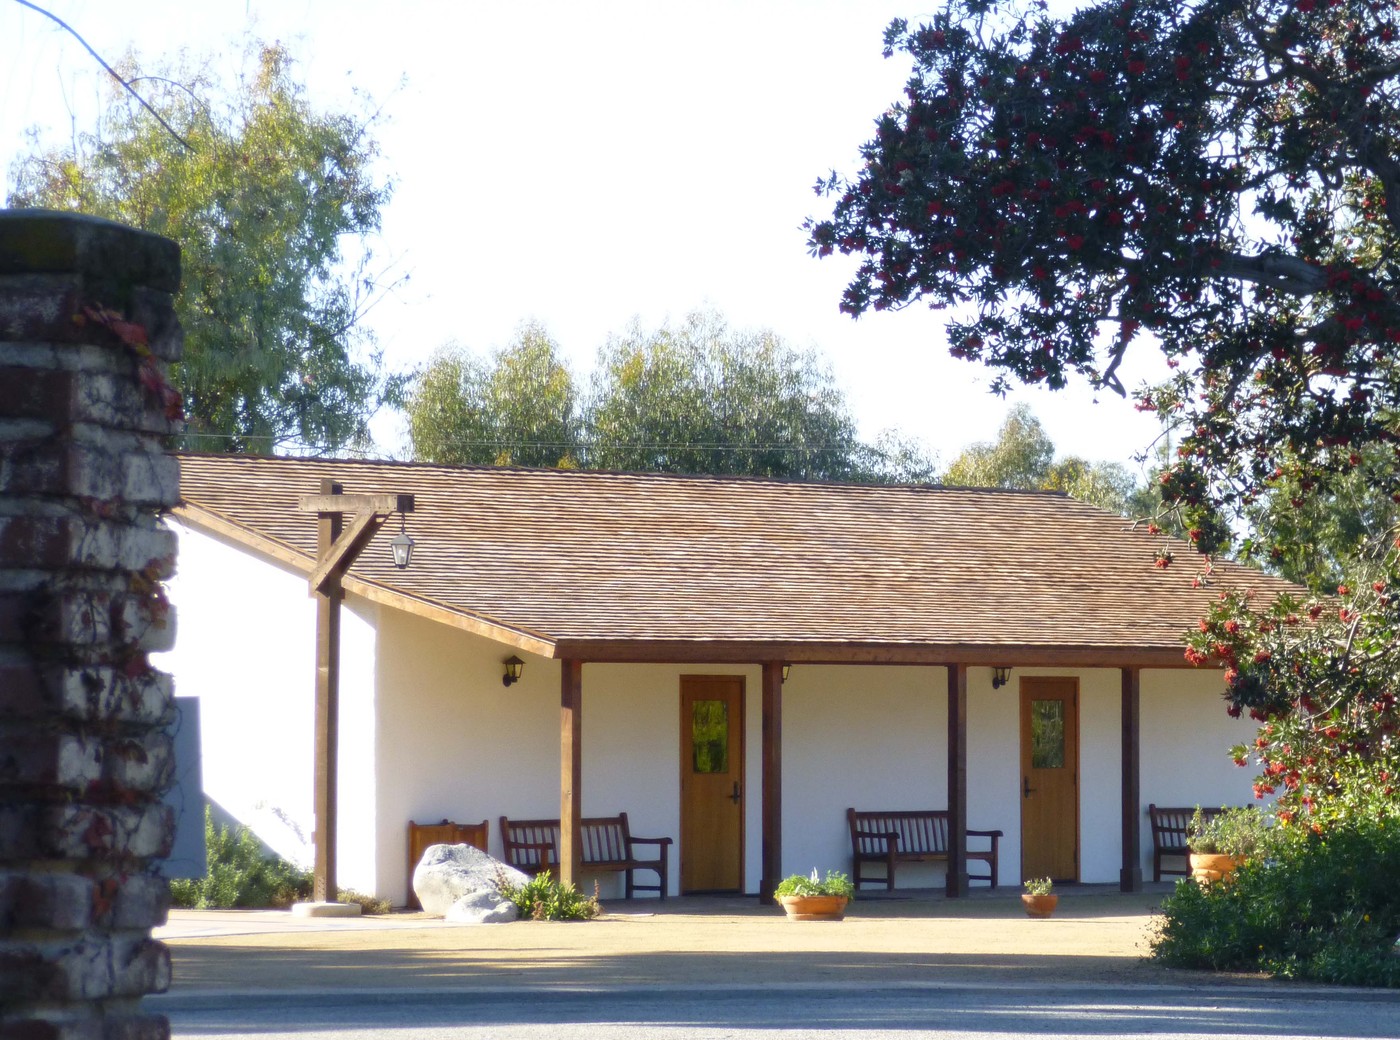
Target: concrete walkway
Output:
[{"x": 1098, "y": 936}]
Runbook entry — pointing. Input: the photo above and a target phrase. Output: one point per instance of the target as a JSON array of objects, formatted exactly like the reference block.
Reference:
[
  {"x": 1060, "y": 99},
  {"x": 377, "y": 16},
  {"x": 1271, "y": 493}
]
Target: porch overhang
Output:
[{"x": 637, "y": 651}]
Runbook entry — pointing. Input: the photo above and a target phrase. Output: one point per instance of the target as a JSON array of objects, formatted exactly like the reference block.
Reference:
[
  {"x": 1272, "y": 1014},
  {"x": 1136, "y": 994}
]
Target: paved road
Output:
[{"x": 780, "y": 1013}]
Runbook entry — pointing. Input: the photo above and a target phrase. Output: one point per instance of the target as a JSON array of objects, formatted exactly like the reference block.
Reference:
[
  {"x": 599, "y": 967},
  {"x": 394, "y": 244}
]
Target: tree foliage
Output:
[
  {"x": 1220, "y": 176},
  {"x": 520, "y": 408},
  {"x": 699, "y": 397},
  {"x": 1218, "y": 180},
  {"x": 1314, "y": 535},
  {"x": 1023, "y": 456},
  {"x": 262, "y": 204},
  {"x": 702, "y": 398}
]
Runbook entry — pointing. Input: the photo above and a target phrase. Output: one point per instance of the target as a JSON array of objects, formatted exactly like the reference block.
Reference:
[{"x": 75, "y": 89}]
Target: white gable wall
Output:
[{"x": 245, "y": 647}]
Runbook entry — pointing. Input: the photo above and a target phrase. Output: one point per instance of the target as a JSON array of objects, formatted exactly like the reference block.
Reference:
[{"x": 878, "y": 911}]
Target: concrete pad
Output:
[
  {"x": 325, "y": 909},
  {"x": 1097, "y": 937}
]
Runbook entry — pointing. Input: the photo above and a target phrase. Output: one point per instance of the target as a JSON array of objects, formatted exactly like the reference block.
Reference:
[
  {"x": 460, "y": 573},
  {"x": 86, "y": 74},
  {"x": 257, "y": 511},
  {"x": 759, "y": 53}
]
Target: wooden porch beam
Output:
[
  {"x": 326, "y": 738},
  {"x": 336, "y": 549},
  {"x": 772, "y": 757},
  {"x": 1130, "y": 876},
  {"x": 957, "y": 883},
  {"x": 570, "y": 770}
]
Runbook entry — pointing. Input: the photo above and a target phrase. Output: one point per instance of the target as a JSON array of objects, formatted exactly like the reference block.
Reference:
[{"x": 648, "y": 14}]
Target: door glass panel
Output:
[
  {"x": 1047, "y": 734},
  {"x": 709, "y": 736}
]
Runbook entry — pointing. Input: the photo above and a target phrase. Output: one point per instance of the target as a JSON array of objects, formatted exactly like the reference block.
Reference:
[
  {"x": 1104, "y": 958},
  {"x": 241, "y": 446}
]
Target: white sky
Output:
[{"x": 582, "y": 163}]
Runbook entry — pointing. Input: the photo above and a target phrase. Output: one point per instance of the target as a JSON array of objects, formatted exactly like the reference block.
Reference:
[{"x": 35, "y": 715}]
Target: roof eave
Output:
[
  {"x": 209, "y": 522},
  {"x": 972, "y": 655}
]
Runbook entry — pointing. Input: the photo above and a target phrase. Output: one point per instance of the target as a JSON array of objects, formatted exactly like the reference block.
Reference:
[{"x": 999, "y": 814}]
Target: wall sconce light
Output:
[
  {"x": 786, "y": 668},
  {"x": 514, "y": 666},
  {"x": 1000, "y": 677},
  {"x": 402, "y": 545}
]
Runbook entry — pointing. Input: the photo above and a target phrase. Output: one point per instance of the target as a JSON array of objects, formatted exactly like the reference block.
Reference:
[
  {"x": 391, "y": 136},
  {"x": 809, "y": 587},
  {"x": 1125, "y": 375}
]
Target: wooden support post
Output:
[
  {"x": 957, "y": 781},
  {"x": 1130, "y": 877},
  {"x": 570, "y": 770},
  {"x": 772, "y": 781},
  {"x": 326, "y": 738}
]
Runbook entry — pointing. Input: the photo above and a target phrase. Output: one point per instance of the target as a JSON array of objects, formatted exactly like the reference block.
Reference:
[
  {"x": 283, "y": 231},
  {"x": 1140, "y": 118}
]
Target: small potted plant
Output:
[
  {"x": 1039, "y": 897},
  {"x": 1221, "y": 841},
  {"x": 810, "y": 897}
]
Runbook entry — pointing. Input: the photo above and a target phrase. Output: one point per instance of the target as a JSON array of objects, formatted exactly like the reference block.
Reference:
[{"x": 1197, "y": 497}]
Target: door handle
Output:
[
  {"x": 735, "y": 794},
  {"x": 1026, "y": 787}
]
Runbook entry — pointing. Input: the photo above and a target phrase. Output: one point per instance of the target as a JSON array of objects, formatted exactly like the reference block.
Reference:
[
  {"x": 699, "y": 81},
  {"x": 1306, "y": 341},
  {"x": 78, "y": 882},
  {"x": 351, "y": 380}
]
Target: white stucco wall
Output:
[
  {"x": 869, "y": 737},
  {"x": 1186, "y": 737},
  {"x": 245, "y": 646},
  {"x": 428, "y": 732}
]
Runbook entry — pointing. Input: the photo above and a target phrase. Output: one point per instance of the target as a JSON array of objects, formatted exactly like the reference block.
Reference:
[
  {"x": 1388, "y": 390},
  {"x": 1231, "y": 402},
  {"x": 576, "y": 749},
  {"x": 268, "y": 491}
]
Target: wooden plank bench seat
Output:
[
  {"x": 532, "y": 846},
  {"x": 919, "y": 836},
  {"x": 1169, "y": 827}
]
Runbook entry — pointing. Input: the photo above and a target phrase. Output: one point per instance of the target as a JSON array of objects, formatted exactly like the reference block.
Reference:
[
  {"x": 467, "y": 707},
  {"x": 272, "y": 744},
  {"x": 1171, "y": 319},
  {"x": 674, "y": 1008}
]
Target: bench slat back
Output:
[
  {"x": 530, "y": 832},
  {"x": 919, "y": 831},
  {"x": 604, "y": 839},
  {"x": 1170, "y": 824}
]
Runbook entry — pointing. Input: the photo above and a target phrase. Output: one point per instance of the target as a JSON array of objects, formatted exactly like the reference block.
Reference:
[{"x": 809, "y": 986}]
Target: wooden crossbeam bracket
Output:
[
  {"x": 355, "y": 504},
  {"x": 369, "y": 513}
]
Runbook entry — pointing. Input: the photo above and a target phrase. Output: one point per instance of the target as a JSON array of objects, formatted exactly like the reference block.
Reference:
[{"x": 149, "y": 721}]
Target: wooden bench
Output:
[
  {"x": 421, "y": 835},
  {"x": 1169, "y": 827},
  {"x": 532, "y": 846},
  {"x": 909, "y": 837}
]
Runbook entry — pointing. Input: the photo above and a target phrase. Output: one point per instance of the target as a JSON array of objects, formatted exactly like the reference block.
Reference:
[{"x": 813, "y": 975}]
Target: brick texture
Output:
[{"x": 85, "y": 753}]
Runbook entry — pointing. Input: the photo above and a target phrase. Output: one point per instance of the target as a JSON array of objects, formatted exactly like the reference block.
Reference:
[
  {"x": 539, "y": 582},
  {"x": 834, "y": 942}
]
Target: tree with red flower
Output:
[{"x": 1218, "y": 180}]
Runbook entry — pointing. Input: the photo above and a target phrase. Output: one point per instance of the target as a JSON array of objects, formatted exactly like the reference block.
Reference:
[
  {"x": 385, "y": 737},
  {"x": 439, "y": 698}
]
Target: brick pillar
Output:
[{"x": 86, "y": 333}]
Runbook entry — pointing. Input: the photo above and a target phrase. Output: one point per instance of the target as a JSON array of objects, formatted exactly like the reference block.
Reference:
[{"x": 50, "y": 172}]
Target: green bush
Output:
[
  {"x": 240, "y": 876},
  {"x": 544, "y": 899},
  {"x": 834, "y": 884},
  {"x": 1323, "y": 907},
  {"x": 1236, "y": 831}
]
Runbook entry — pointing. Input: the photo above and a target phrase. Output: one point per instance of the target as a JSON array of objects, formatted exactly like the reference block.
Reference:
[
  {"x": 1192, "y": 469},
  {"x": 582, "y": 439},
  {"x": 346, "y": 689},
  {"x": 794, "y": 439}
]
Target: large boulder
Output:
[{"x": 462, "y": 883}]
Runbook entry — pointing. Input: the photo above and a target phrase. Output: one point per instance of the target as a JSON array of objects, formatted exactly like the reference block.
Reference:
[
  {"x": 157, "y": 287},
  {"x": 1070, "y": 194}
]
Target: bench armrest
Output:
[
  {"x": 984, "y": 834},
  {"x": 865, "y": 841},
  {"x": 661, "y": 843}
]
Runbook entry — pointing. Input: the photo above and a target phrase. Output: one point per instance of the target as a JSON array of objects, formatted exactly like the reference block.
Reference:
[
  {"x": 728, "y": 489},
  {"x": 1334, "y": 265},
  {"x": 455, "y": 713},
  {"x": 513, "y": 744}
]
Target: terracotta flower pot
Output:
[
  {"x": 814, "y": 908},
  {"x": 1040, "y": 906},
  {"x": 1209, "y": 867}
]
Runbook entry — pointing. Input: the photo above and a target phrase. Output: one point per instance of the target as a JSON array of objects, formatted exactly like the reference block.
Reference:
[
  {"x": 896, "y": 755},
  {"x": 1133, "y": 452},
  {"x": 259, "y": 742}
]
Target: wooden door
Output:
[
  {"x": 712, "y": 783},
  {"x": 1050, "y": 778}
]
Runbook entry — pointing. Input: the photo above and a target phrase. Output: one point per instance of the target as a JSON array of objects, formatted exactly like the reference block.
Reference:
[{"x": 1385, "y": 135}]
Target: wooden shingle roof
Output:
[{"x": 617, "y": 566}]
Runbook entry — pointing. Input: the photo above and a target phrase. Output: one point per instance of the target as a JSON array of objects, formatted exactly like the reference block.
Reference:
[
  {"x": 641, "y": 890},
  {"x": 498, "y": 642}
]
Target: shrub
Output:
[
  {"x": 1313, "y": 906},
  {"x": 240, "y": 875},
  {"x": 368, "y": 904},
  {"x": 834, "y": 884},
  {"x": 1240, "y": 832},
  {"x": 544, "y": 899}
]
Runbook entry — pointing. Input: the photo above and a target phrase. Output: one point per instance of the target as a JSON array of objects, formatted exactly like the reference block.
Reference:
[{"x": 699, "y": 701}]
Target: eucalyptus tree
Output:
[
  {"x": 273, "y": 204},
  {"x": 518, "y": 407}
]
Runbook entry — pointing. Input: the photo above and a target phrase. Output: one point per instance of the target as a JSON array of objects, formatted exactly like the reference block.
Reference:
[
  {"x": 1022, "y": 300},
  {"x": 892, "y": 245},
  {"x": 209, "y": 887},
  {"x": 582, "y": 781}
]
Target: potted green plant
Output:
[
  {"x": 1039, "y": 897},
  {"x": 810, "y": 897},
  {"x": 1219, "y": 842}
]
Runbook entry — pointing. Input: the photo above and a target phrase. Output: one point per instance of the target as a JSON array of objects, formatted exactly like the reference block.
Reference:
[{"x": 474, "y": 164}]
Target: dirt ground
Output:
[{"x": 1095, "y": 937}]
